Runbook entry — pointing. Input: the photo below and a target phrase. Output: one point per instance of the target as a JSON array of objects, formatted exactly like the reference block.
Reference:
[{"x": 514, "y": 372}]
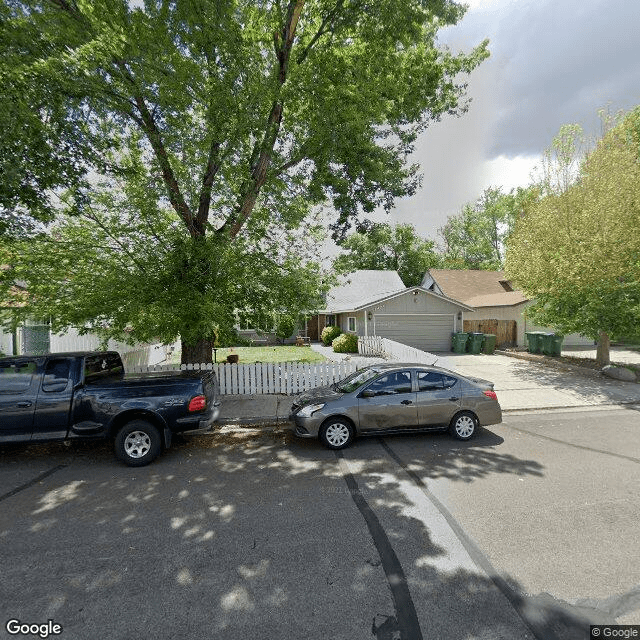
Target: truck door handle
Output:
[
  {"x": 24, "y": 405},
  {"x": 454, "y": 399},
  {"x": 406, "y": 402}
]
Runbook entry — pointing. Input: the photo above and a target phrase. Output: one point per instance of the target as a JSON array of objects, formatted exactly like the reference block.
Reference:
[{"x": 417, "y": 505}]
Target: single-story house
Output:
[
  {"x": 377, "y": 303},
  {"x": 498, "y": 307}
]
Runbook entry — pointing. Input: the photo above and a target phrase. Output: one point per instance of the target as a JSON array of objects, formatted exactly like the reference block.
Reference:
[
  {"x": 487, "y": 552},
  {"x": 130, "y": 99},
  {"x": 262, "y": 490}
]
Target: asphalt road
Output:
[{"x": 528, "y": 531}]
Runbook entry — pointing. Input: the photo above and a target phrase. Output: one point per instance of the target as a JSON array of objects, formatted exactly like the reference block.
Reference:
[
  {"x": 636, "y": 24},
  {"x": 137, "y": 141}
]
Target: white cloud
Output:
[{"x": 552, "y": 62}]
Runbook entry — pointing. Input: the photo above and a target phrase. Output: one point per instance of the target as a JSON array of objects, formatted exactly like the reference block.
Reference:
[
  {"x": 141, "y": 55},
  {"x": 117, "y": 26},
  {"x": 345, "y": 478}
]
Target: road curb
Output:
[
  {"x": 580, "y": 407},
  {"x": 252, "y": 422},
  {"x": 549, "y": 362}
]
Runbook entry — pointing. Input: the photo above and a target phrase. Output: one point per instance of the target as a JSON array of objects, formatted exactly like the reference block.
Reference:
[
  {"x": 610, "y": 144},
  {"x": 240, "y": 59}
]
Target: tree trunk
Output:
[
  {"x": 603, "y": 357},
  {"x": 197, "y": 353}
]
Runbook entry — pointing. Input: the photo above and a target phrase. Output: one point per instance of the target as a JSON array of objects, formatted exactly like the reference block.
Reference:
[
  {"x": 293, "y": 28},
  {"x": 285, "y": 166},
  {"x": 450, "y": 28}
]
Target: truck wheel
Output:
[{"x": 138, "y": 443}]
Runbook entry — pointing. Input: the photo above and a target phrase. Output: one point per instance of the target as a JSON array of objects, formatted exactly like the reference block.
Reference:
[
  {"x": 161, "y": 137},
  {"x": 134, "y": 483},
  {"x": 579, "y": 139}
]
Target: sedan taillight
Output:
[
  {"x": 198, "y": 403},
  {"x": 491, "y": 394}
]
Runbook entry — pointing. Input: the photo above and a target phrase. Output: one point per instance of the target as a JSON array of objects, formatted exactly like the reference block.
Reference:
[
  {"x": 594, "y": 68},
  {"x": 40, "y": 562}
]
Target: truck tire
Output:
[{"x": 138, "y": 443}]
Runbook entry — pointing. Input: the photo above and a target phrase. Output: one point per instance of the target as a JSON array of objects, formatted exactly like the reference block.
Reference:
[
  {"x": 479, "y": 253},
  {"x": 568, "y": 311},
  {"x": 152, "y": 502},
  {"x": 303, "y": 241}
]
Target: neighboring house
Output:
[
  {"x": 498, "y": 307},
  {"x": 376, "y": 303},
  {"x": 247, "y": 329},
  {"x": 6, "y": 343},
  {"x": 35, "y": 337}
]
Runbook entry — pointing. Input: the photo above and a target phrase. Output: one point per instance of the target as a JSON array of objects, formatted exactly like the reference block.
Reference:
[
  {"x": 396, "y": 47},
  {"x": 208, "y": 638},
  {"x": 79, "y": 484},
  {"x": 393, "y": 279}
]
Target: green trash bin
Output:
[
  {"x": 459, "y": 342},
  {"x": 529, "y": 336},
  {"x": 555, "y": 346},
  {"x": 474, "y": 344},
  {"x": 489, "y": 343},
  {"x": 534, "y": 338},
  {"x": 547, "y": 344}
]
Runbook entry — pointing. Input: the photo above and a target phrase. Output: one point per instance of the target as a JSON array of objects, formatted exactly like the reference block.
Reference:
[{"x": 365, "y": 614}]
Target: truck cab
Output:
[{"x": 87, "y": 395}]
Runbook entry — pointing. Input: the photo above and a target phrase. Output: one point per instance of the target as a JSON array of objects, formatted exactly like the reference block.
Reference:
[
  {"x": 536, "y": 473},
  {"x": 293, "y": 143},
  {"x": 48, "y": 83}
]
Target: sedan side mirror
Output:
[{"x": 367, "y": 393}]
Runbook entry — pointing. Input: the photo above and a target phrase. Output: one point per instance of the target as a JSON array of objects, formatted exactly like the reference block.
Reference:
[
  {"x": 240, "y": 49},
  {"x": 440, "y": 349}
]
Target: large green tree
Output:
[
  {"x": 383, "y": 246},
  {"x": 228, "y": 119},
  {"x": 577, "y": 251},
  {"x": 476, "y": 237}
]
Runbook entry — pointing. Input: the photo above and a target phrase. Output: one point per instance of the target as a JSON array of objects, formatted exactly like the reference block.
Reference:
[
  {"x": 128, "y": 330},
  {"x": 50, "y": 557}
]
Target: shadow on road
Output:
[{"x": 256, "y": 535}]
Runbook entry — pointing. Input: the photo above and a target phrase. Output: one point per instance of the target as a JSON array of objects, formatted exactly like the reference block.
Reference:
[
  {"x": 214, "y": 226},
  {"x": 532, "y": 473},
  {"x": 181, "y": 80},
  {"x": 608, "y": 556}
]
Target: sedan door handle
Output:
[
  {"x": 406, "y": 402},
  {"x": 24, "y": 405},
  {"x": 454, "y": 399}
]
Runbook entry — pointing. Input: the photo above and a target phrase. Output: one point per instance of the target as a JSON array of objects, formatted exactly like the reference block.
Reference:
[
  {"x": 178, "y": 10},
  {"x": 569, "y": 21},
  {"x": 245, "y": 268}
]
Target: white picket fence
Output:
[
  {"x": 262, "y": 378},
  {"x": 385, "y": 348}
]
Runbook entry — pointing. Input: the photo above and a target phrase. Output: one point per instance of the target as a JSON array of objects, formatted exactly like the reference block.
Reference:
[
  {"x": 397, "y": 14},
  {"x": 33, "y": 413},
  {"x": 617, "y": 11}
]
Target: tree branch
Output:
[
  {"x": 173, "y": 188},
  {"x": 283, "y": 43},
  {"x": 94, "y": 217},
  {"x": 322, "y": 30},
  {"x": 213, "y": 166},
  {"x": 155, "y": 138}
]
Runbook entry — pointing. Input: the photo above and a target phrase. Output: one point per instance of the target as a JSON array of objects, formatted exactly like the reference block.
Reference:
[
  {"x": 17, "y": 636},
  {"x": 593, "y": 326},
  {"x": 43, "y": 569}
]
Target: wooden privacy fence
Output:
[
  {"x": 263, "y": 378},
  {"x": 505, "y": 330}
]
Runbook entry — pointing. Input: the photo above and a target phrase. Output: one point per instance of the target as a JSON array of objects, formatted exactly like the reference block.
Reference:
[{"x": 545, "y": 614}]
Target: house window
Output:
[
  {"x": 245, "y": 321},
  {"x": 351, "y": 324},
  {"x": 251, "y": 321},
  {"x": 330, "y": 321}
]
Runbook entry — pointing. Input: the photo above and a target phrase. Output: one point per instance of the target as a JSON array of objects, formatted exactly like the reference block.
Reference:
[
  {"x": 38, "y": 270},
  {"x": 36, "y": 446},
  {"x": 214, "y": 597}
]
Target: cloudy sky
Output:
[{"x": 552, "y": 62}]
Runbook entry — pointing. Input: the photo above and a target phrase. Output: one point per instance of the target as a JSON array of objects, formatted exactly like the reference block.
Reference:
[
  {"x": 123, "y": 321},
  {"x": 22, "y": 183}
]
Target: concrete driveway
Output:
[{"x": 521, "y": 384}]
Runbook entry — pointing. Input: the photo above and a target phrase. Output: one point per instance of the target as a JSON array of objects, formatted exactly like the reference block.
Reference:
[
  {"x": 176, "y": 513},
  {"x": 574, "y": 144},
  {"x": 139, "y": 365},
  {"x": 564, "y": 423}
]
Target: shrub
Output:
[
  {"x": 346, "y": 343},
  {"x": 329, "y": 334},
  {"x": 285, "y": 326}
]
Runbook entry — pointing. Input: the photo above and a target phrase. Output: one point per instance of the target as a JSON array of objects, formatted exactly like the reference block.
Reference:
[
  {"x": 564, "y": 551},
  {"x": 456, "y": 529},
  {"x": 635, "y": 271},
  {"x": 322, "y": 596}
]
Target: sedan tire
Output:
[
  {"x": 463, "y": 425},
  {"x": 138, "y": 443},
  {"x": 337, "y": 433}
]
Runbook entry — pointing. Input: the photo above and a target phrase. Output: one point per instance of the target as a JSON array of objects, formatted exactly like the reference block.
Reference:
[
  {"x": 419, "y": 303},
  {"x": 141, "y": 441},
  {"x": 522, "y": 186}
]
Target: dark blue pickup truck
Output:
[{"x": 69, "y": 396}]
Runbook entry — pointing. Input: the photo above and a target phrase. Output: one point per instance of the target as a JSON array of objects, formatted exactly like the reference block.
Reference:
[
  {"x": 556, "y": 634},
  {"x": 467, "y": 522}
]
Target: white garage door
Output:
[{"x": 426, "y": 332}]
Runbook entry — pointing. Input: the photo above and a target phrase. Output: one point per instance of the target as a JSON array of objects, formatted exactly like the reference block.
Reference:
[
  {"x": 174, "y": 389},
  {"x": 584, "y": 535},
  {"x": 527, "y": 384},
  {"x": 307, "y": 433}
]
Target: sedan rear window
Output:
[{"x": 432, "y": 380}]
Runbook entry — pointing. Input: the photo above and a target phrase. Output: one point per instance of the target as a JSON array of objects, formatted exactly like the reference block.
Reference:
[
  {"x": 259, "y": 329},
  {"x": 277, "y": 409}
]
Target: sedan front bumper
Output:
[{"x": 306, "y": 427}]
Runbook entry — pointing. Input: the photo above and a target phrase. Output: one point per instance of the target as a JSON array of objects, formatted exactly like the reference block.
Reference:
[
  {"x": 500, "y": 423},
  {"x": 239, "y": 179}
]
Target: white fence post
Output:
[{"x": 385, "y": 348}]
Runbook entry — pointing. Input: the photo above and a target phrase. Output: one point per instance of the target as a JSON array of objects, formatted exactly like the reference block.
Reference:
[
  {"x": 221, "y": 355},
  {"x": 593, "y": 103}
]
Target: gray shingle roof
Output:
[{"x": 361, "y": 288}]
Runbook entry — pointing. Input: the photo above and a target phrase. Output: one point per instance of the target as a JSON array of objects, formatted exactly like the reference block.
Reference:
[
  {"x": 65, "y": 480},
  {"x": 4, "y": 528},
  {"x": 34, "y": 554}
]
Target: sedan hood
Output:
[{"x": 317, "y": 395}]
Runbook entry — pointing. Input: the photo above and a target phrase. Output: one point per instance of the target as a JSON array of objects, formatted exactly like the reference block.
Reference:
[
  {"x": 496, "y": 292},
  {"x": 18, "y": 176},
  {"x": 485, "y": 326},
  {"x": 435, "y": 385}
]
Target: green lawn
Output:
[
  {"x": 272, "y": 354},
  {"x": 265, "y": 354}
]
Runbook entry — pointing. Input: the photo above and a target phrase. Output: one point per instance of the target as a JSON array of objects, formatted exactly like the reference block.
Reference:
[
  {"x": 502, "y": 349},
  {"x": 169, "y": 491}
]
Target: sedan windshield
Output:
[{"x": 356, "y": 380}]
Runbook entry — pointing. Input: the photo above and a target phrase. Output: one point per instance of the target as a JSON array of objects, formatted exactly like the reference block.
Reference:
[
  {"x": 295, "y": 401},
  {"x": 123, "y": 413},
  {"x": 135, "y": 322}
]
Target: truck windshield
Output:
[{"x": 356, "y": 380}]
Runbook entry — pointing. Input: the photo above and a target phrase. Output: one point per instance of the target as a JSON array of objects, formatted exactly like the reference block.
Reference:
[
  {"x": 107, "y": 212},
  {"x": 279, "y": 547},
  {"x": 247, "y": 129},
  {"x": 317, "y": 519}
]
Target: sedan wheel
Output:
[
  {"x": 463, "y": 425},
  {"x": 336, "y": 434}
]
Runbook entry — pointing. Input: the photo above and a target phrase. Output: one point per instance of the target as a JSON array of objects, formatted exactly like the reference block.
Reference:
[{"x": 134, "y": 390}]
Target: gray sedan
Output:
[{"x": 395, "y": 398}]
